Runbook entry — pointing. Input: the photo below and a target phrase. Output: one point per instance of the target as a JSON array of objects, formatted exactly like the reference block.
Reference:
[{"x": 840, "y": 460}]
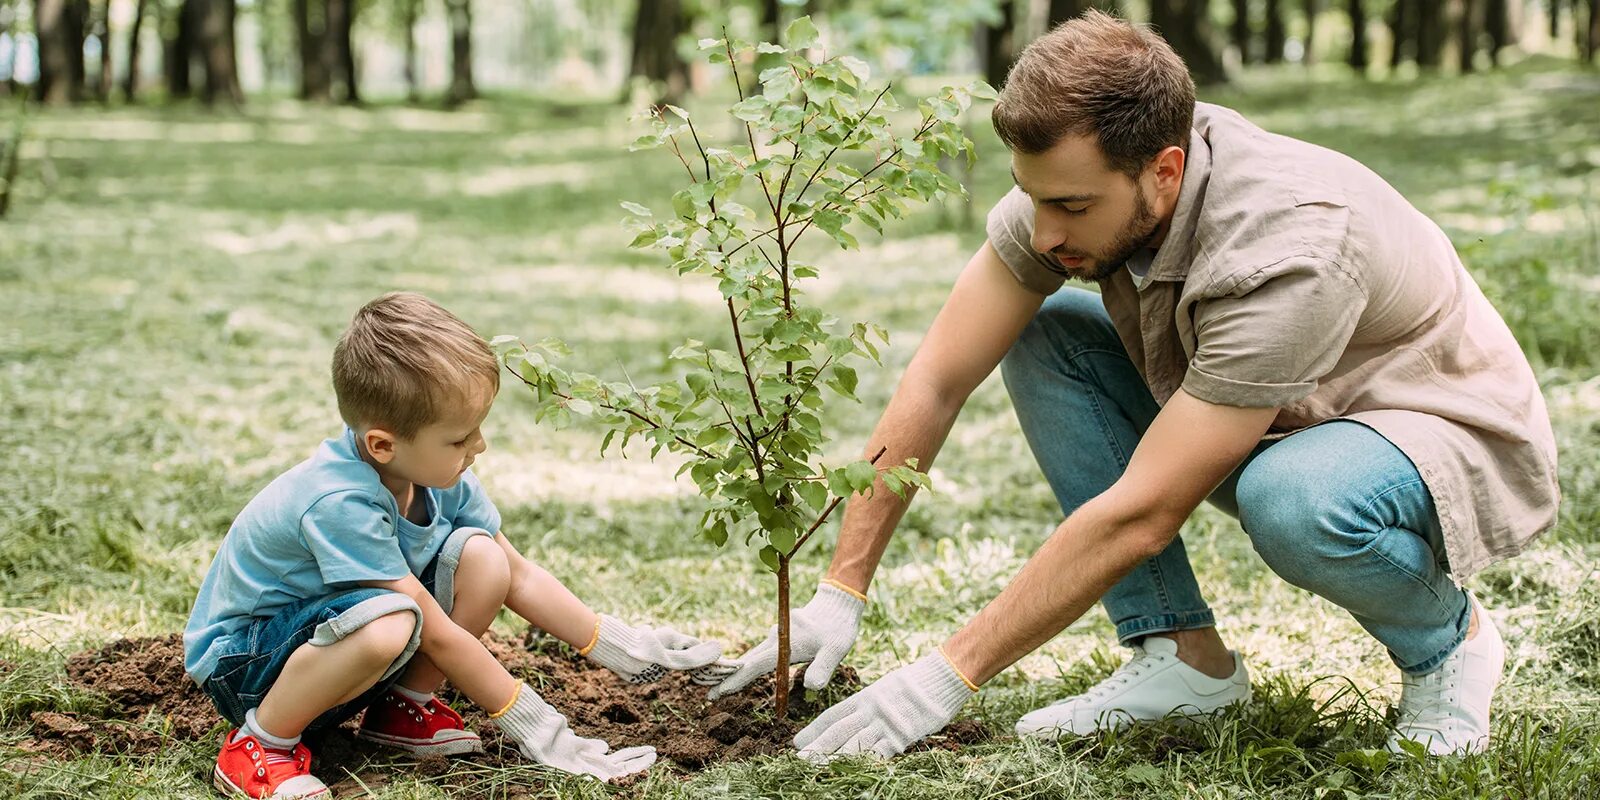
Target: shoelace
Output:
[
  {"x": 280, "y": 757},
  {"x": 1423, "y": 697},
  {"x": 1132, "y": 668}
]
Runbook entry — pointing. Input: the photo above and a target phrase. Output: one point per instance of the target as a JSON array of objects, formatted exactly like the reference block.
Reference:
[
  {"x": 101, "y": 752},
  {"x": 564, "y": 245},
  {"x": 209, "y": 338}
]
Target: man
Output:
[{"x": 1277, "y": 330}]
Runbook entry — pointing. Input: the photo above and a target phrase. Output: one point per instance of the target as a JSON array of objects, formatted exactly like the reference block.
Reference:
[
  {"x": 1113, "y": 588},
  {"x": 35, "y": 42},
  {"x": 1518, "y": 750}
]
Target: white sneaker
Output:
[
  {"x": 1152, "y": 685},
  {"x": 1447, "y": 710}
]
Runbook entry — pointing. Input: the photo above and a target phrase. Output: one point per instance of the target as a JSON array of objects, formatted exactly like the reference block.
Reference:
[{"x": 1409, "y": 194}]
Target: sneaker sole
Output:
[
  {"x": 231, "y": 789},
  {"x": 461, "y": 745}
]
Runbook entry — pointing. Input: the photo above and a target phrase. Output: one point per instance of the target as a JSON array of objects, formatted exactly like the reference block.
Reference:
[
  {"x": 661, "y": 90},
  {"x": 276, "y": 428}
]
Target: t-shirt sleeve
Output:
[
  {"x": 1270, "y": 340},
  {"x": 352, "y": 539},
  {"x": 475, "y": 509},
  {"x": 1010, "y": 230}
]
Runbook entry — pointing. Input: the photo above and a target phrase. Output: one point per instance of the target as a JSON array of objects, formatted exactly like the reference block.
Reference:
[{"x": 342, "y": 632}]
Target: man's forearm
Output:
[
  {"x": 914, "y": 425},
  {"x": 1092, "y": 550}
]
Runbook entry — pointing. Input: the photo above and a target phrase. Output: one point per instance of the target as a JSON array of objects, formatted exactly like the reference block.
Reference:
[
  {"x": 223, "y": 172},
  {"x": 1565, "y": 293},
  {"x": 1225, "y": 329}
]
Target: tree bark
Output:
[
  {"x": 1312, "y": 9},
  {"x": 1276, "y": 32},
  {"x": 216, "y": 40},
  {"x": 410, "y": 11},
  {"x": 1591, "y": 42},
  {"x": 1402, "y": 31},
  {"x": 8, "y": 85},
  {"x": 54, "y": 86},
  {"x": 462, "y": 87},
  {"x": 130, "y": 81},
  {"x": 1431, "y": 34},
  {"x": 1358, "y": 37},
  {"x": 1185, "y": 26},
  {"x": 102, "y": 32},
  {"x": 179, "y": 50},
  {"x": 656, "y": 27},
  {"x": 1240, "y": 30},
  {"x": 1555, "y": 18},
  {"x": 994, "y": 44},
  {"x": 1497, "y": 25},
  {"x": 338, "y": 62},
  {"x": 310, "y": 22},
  {"x": 1469, "y": 24}
]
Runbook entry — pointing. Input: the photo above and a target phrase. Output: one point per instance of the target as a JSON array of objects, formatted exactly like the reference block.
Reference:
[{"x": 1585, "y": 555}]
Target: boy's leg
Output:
[
  {"x": 318, "y": 678},
  {"x": 469, "y": 578}
]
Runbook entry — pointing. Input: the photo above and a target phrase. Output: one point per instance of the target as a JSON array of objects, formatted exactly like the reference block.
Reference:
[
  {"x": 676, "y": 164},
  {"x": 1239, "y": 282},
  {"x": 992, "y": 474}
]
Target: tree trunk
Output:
[
  {"x": 1185, "y": 26},
  {"x": 216, "y": 23},
  {"x": 410, "y": 11},
  {"x": 54, "y": 85},
  {"x": 179, "y": 50},
  {"x": 1276, "y": 32},
  {"x": 338, "y": 60},
  {"x": 1312, "y": 9},
  {"x": 1555, "y": 18},
  {"x": 10, "y": 158},
  {"x": 656, "y": 26},
  {"x": 994, "y": 45},
  {"x": 310, "y": 21},
  {"x": 1591, "y": 42},
  {"x": 780, "y": 676},
  {"x": 1402, "y": 31},
  {"x": 1431, "y": 34},
  {"x": 102, "y": 32},
  {"x": 8, "y": 85},
  {"x": 75, "y": 24},
  {"x": 1469, "y": 24},
  {"x": 130, "y": 81},
  {"x": 1240, "y": 29},
  {"x": 462, "y": 87},
  {"x": 1497, "y": 25},
  {"x": 1358, "y": 37}
]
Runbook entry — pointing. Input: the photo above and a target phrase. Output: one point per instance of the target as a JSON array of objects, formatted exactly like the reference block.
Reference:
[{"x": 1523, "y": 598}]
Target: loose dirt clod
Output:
[{"x": 152, "y": 701}]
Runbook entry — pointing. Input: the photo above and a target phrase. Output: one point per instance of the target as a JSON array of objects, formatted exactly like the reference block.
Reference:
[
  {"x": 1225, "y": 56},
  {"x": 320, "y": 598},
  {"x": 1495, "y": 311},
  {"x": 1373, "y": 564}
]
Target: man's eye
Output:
[{"x": 1083, "y": 210}]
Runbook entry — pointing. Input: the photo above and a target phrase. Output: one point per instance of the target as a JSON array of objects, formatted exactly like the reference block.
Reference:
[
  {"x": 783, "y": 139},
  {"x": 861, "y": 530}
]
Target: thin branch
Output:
[
  {"x": 852, "y": 131},
  {"x": 630, "y": 412},
  {"x": 744, "y": 359},
  {"x": 679, "y": 153},
  {"x": 823, "y": 517},
  {"x": 749, "y": 135}
]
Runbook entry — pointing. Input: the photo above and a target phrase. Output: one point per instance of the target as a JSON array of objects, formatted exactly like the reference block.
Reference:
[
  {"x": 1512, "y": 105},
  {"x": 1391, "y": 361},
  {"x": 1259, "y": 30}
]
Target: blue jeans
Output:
[
  {"x": 258, "y": 653},
  {"x": 1334, "y": 509}
]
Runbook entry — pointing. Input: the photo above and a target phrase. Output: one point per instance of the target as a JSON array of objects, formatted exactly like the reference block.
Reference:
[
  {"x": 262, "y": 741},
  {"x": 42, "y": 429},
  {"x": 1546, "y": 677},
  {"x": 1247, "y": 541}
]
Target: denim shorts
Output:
[{"x": 256, "y": 655}]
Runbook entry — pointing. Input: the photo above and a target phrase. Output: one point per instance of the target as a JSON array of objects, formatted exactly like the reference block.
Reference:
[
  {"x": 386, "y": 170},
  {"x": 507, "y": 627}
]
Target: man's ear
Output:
[
  {"x": 1168, "y": 169},
  {"x": 380, "y": 444}
]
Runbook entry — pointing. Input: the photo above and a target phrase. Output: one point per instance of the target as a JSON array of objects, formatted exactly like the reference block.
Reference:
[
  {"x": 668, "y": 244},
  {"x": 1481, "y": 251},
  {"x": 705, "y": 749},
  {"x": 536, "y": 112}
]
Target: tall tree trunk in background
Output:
[
  {"x": 462, "y": 87},
  {"x": 1469, "y": 24},
  {"x": 310, "y": 26},
  {"x": 1591, "y": 42},
  {"x": 130, "y": 81},
  {"x": 54, "y": 85},
  {"x": 338, "y": 60},
  {"x": 1312, "y": 9},
  {"x": 994, "y": 44},
  {"x": 1240, "y": 29},
  {"x": 1402, "y": 31},
  {"x": 1186, "y": 26},
  {"x": 1431, "y": 34},
  {"x": 1063, "y": 10},
  {"x": 1497, "y": 24},
  {"x": 101, "y": 25},
  {"x": 1358, "y": 37},
  {"x": 215, "y": 36},
  {"x": 656, "y": 27},
  {"x": 1276, "y": 32},
  {"x": 8, "y": 85},
  {"x": 1554, "y": 7},
  {"x": 410, "y": 11},
  {"x": 178, "y": 51}
]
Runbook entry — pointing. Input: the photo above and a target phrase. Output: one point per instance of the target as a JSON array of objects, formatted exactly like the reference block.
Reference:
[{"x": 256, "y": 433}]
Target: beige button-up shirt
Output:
[{"x": 1292, "y": 276}]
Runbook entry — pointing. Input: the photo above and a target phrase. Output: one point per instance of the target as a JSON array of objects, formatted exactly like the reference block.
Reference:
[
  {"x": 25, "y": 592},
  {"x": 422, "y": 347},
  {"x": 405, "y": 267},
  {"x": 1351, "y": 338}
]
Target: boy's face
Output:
[{"x": 440, "y": 452}]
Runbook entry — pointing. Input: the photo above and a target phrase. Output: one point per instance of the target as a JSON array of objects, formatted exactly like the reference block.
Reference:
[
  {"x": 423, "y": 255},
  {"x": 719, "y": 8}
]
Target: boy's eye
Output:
[{"x": 462, "y": 443}]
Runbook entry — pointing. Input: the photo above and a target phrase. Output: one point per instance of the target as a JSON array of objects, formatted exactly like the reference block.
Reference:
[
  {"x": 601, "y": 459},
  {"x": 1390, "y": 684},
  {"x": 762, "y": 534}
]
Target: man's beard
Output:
[{"x": 1134, "y": 236}]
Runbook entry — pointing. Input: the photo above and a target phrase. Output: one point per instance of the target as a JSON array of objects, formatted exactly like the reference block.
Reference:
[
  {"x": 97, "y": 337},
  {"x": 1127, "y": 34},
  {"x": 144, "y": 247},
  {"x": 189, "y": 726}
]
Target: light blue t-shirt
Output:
[{"x": 315, "y": 530}]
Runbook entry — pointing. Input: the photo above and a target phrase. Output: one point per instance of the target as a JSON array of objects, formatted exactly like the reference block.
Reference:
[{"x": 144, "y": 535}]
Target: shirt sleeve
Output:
[
  {"x": 1010, "y": 230},
  {"x": 352, "y": 539},
  {"x": 1270, "y": 340},
  {"x": 475, "y": 509}
]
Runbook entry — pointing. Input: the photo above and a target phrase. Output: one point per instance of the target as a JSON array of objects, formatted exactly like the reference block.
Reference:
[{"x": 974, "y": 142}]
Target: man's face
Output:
[
  {"x": 440, "y": 452},
  {"x": 1088, "y": 217}
]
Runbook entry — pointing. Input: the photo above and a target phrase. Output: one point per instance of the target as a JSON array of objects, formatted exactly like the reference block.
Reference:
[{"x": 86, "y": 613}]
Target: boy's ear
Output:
[{"x": 380, "y": 444}]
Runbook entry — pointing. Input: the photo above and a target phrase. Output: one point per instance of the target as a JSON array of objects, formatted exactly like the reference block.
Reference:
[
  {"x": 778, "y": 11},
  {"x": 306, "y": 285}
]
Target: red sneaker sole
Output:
[
  {"x": 231, "y": 789},
  {"x": 460, "y": 745}
]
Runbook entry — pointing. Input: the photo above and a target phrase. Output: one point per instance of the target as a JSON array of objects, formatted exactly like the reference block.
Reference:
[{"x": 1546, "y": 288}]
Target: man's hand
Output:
[
  {"x": 643, "y": 655},
  {"x": 888, "y": 716},
  {"x": 821, "y": 632}
]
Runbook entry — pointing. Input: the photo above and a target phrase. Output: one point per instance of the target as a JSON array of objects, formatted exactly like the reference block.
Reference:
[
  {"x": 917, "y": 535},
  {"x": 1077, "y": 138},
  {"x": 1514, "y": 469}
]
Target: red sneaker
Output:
[
  {"x": 246, "y": 769},
  {"x": 434, "y": 729}
]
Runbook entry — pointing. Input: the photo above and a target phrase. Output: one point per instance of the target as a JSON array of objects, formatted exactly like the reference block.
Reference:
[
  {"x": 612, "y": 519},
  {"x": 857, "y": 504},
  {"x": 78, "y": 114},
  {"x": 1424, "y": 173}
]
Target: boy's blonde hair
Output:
[{"x": 402, "y": 359}]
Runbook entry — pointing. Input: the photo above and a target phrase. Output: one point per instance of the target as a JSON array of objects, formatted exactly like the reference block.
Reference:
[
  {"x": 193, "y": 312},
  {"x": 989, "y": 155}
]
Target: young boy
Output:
[{"x": 363, "y": 577}]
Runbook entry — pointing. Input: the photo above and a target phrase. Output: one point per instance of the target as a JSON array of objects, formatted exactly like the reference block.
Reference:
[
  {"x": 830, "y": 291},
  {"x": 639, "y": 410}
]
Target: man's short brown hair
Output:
[
  {"x": 1103, "y": 77},
  {"x": 403, "y": 358}
]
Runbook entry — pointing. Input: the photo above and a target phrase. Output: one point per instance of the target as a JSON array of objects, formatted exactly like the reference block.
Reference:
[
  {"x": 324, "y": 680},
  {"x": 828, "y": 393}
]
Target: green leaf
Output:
[
  {"x": 844, "y": 380},
  {"x": 820, "y": 90},
  {"x": 782, "y": 538},
  {"x": 861, "y": 474},
  {"x": 815, "y": 493},
  {"x": 717, "y": 532},
  {"x": 768, "y": 47},
  {"x": 769, "y": 557},
  {"x": 800, "y": 34},
  {"x": 707, "y": 44},
  {"x": 778, "y": 83},
  {"x": 683, "y": 204},
  {"x": 839, "y": 483},
  {"x": 857, "y": 67},
  {"x": 679, "y": 111},
  {"x": 580, "y": 406}
]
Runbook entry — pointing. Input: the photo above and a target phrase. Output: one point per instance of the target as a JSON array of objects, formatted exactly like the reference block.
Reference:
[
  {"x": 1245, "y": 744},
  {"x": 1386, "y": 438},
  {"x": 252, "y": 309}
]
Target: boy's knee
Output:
[
  {"x": 483, "y": 567},
  {"x": 387, "y": 637}
]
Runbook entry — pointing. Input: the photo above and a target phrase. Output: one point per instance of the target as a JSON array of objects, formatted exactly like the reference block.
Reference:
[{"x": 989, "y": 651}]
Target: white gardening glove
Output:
[
  {"x": 888, "y": 716},
  {"x": 821, "y": 632},
  {"x": 642, "y": 655},
  {"x": 541, "y": 733}
]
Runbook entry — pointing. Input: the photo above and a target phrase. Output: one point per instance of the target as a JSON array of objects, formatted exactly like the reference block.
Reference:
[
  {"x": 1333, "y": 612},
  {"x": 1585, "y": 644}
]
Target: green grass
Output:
[{"x": 174, "y": 283}]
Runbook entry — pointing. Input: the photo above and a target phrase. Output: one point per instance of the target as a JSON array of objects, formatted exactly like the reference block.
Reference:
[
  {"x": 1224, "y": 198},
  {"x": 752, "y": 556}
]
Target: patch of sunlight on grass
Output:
[
  {"x": 503, "y": 180},
  {"x": 295, "y": 233}
]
